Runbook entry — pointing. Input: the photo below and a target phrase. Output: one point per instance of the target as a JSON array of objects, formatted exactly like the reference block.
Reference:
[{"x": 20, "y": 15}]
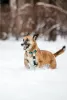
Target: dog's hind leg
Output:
[{"x": 53, "y": 64}]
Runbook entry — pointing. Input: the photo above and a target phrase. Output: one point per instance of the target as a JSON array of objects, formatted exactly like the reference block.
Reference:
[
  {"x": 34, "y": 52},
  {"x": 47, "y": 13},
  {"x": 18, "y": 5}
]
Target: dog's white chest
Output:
[{"x": 30, "y": 60}]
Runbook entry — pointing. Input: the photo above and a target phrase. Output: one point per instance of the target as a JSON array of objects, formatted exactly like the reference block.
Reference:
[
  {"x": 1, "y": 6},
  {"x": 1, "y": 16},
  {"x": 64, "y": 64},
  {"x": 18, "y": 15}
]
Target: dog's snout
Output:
[
  {"x": 22, "y": 44},
  {"x": 25, "y": 42}
]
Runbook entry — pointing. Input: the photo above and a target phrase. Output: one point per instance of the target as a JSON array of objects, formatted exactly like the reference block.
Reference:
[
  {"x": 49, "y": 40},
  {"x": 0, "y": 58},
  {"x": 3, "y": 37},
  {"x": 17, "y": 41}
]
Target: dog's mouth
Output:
[{"x": 25, "y": 45}]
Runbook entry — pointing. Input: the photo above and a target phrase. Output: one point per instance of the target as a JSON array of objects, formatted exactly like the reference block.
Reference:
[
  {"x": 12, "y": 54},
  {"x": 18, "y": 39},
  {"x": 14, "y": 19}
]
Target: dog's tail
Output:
[{"x": 60, "y": 51}]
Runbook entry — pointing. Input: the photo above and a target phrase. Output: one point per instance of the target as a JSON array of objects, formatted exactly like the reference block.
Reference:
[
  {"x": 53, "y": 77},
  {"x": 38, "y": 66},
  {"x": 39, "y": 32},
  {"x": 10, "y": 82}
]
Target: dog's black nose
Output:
[{"x": 22, "y": 44}]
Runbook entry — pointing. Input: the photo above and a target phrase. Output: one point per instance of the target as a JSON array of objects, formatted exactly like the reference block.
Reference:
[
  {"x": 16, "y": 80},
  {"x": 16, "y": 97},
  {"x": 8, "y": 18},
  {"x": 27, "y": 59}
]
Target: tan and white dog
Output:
[{"x": 34, "y": 57}]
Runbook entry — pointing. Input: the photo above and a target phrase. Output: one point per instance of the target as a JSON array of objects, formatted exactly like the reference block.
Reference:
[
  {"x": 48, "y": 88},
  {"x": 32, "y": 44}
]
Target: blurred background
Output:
[{"x": 47, "y": 18}]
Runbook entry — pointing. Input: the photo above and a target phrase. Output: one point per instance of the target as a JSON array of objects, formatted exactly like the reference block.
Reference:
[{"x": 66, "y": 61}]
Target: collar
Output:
[{"x": 31, "y": 52}]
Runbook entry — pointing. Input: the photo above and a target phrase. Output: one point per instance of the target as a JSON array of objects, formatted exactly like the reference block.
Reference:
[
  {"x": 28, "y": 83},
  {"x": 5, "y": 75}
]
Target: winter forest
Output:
[{"x": 46, "y": 19}]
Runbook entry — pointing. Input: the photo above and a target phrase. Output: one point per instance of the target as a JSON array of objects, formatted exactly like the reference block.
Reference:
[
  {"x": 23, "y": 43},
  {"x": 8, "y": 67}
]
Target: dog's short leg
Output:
[
  {"x": 26, "y": 63},
  {"x": 53, "y": 64}
]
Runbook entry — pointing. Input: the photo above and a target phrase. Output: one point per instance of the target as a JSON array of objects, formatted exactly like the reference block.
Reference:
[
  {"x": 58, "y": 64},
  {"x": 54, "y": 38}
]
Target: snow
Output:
[
  {"x": 25, "y": 6},
  {"x": 18, "y": 83}
]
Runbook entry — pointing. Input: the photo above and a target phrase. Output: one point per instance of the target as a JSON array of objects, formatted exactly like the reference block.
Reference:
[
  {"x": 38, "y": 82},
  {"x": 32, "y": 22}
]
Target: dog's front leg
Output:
[
  {"x": 32, "y": 65},
  {"x": 26, "y": 63}
]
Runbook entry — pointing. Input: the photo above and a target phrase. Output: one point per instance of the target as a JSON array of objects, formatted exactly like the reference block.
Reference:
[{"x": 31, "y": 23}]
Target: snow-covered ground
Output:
[{"x": 18, "y": 83}]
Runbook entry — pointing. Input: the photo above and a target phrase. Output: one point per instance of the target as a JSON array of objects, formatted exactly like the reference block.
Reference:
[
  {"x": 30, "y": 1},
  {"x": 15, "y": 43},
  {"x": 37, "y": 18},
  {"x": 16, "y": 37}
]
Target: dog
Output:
[{"x": 34, "y": 57}]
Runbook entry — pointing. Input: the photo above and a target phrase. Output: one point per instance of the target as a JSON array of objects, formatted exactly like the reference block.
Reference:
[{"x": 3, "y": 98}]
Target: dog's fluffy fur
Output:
[{"x": 41, "y": 57}]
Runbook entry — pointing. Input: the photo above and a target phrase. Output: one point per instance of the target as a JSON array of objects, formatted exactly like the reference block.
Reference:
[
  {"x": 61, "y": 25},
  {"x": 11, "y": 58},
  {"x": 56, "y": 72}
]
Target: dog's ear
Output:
[{"x": 35, "y": 36}]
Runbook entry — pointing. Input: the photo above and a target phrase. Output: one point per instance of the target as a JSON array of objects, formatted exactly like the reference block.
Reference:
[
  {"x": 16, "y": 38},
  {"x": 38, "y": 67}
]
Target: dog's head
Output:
[{"x": 29, "y": 42}]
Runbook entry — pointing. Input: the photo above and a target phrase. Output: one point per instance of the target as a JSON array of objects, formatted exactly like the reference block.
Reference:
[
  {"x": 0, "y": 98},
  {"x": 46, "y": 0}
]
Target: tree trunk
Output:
[
  {"x": 35, "y": 1},
  {"x": 52, "y": 2}
]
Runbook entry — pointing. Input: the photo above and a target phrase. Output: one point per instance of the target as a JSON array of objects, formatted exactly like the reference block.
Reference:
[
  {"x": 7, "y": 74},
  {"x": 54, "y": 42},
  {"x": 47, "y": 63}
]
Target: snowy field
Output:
[{"x": 18, "y": 83}]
